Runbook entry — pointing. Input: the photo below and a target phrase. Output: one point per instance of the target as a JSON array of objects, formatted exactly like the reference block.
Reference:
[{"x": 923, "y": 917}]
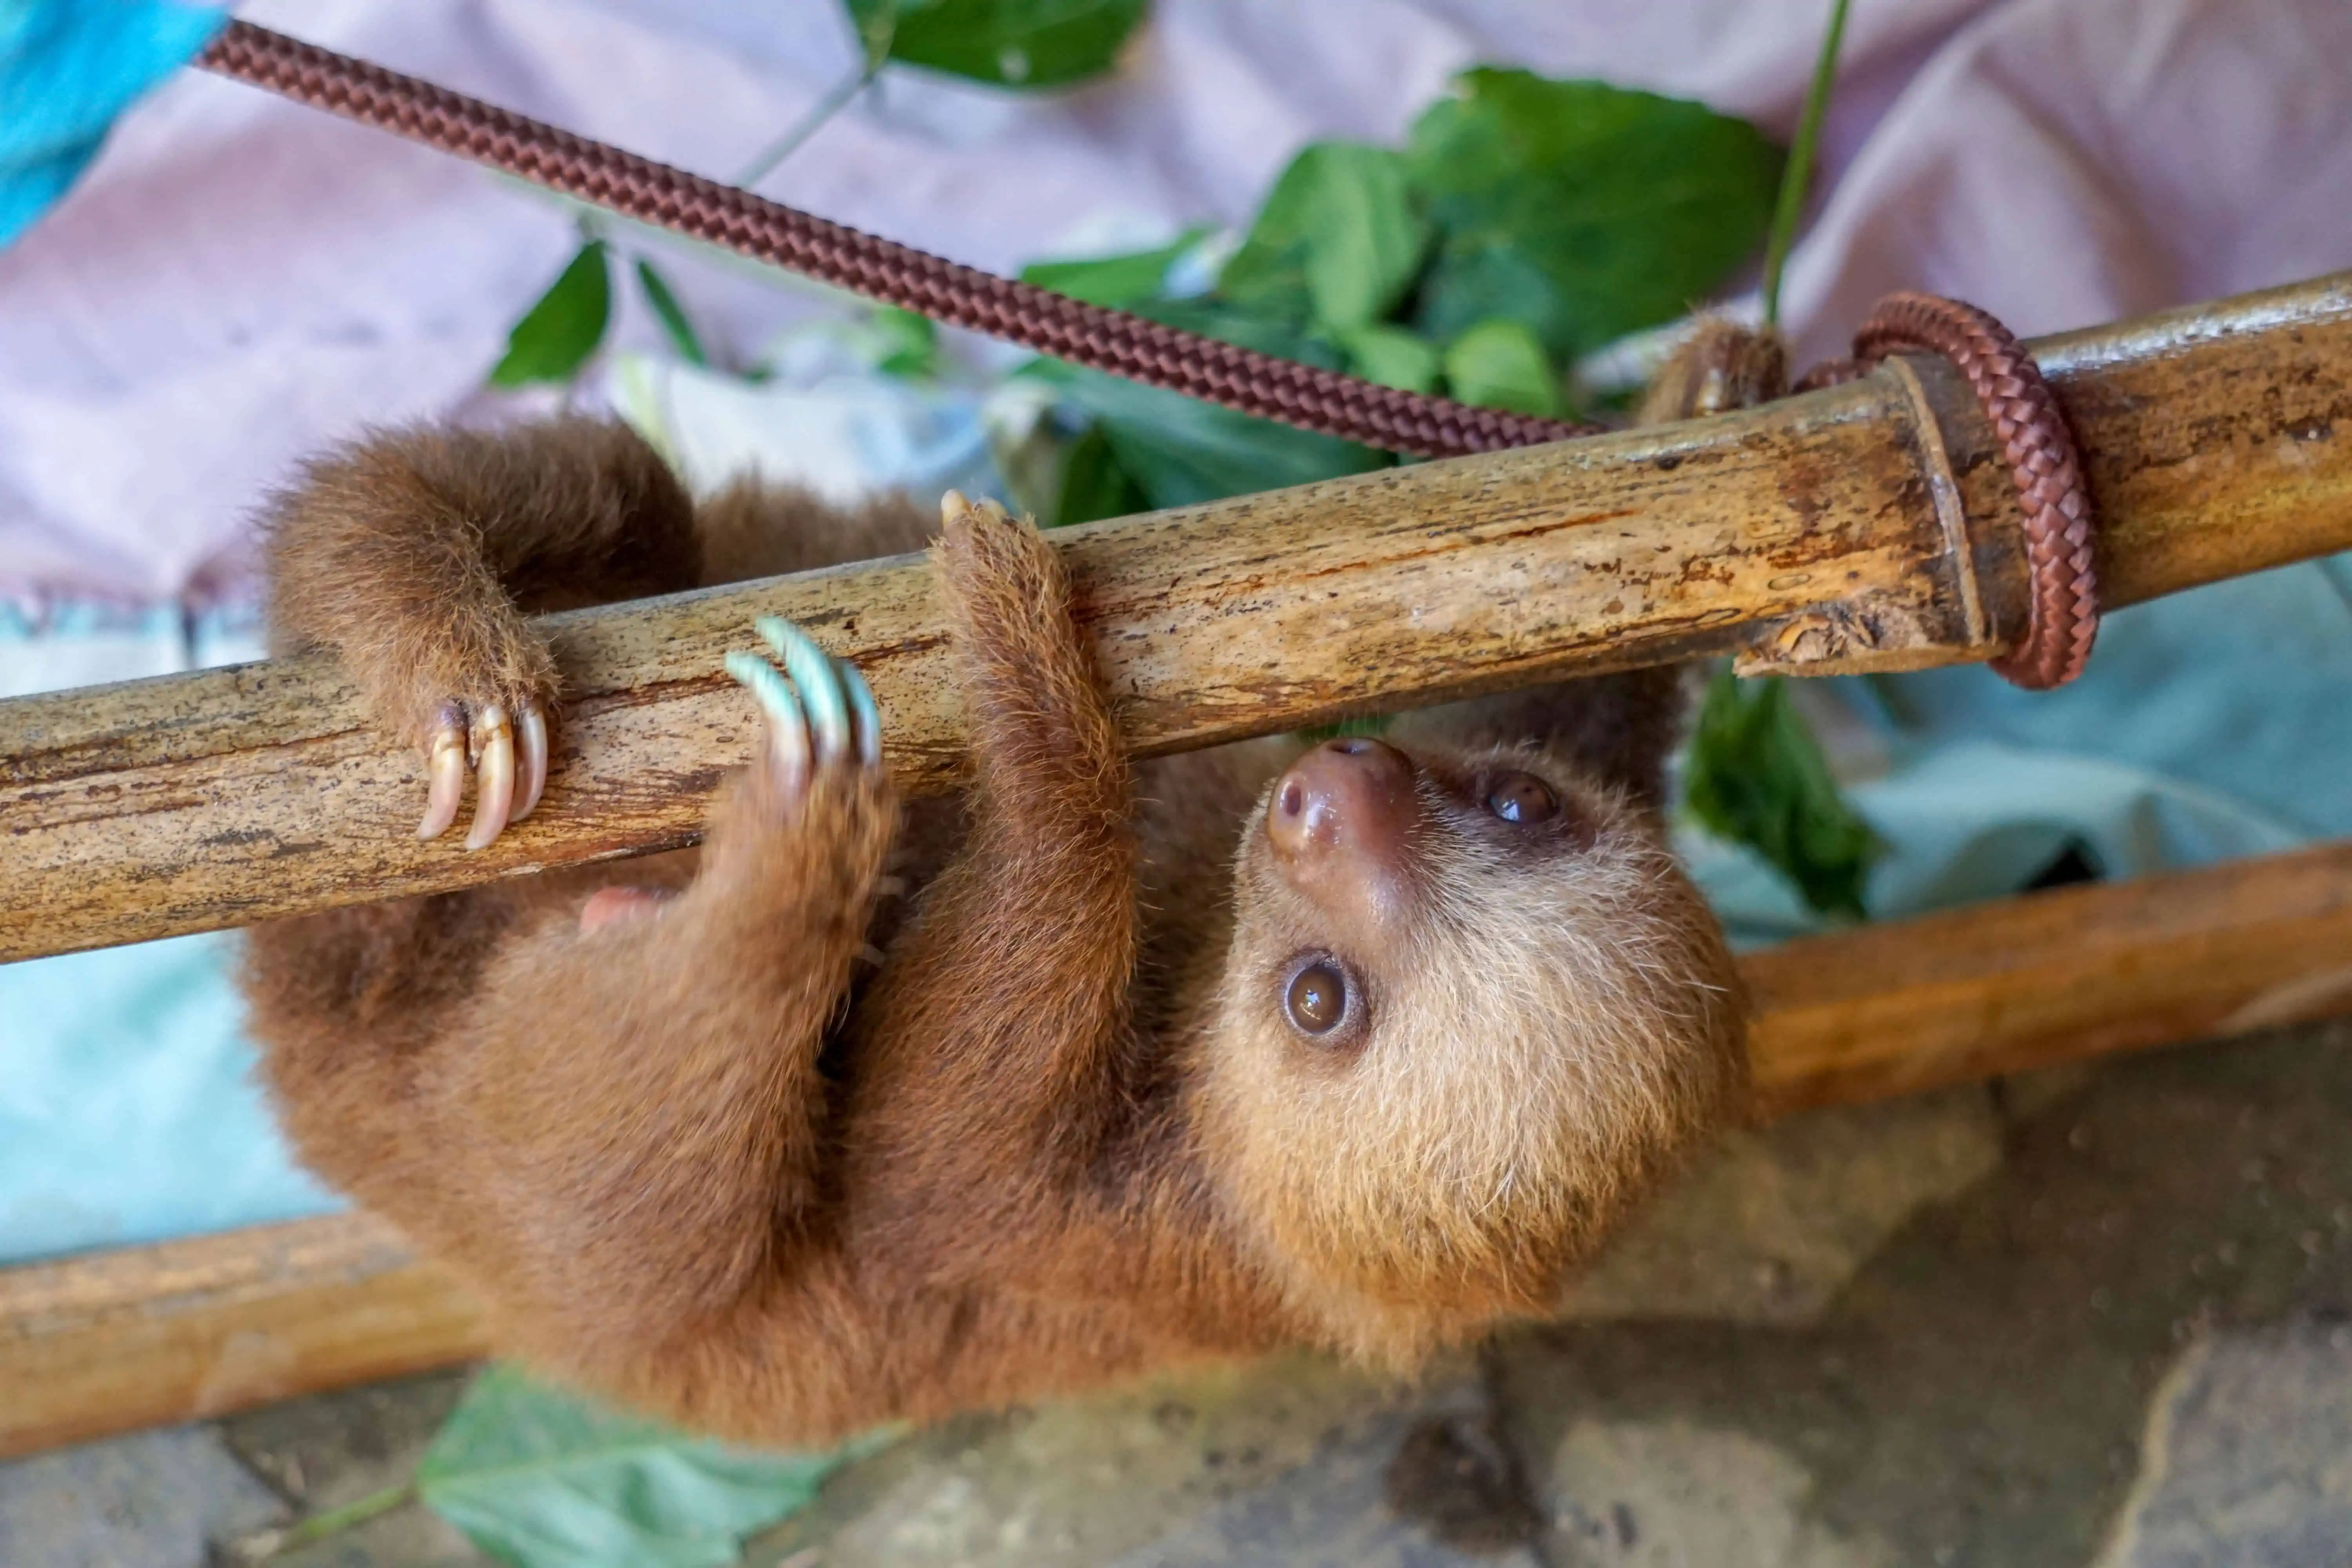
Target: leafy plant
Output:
[
  {"x": 1394, "y": 356},
  {"x": 1011, "y": 43},
  {"x": 562, "y": 329},
  {"x": 535, "y": 1477},
  {"x": 1580, "y": 210},
  {"x": 1093, "y": 485},
  {"x": 1499, "y": 363},
  {"x": 1756, "y": 775},
  {"x": 566, "y": 325},
  {"x": 671, "y": 314},
  {"x": 1175, "y": 450},
  {"x": 1527, "y": 220},
  {"x": 900, "y": 342},
  {"x": 540, "y": 1478},
  {"x": 1338, "y": 241},
  {"x": 1115, "y": 280}
]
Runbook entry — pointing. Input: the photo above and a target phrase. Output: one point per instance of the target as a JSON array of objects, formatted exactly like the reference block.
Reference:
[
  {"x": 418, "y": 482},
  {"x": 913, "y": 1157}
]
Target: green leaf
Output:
[
  {"x": 556, "y": 335},
  {"x": 1757, "y": 776},
  {"x": 1367, "y": 724},
  {"x": 1013, "y": 43},
  {"x": 671, "y": 314},
  {"x": 1093, "y": 485},
  {"x": 876, "y": 24},
  {"x": 1580, "y": 210},
  {"x": 1114, "y": 281},
  {"x": 1499, "y": 364},
  {"x": 1394, "y": 356},
  {"x": 538, "y": 1478},
  {"x": 901, "y": 343},
  {"x": 1179, "y": 451},
  {"x": 1337, "y": 239}
]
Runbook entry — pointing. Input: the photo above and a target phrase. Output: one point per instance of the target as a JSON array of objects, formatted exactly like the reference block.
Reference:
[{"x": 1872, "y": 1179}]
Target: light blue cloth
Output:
[
  {"x": 68, "y": 68},
  {"x": 129, "y": 1112},
  {"x": 2208, "y": 726}
]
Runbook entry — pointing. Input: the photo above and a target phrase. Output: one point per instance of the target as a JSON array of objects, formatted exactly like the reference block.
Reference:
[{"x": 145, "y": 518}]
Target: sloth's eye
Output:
[
  {"x": 1317, "y": 997},
  {"x": 1522, "y": 798}
]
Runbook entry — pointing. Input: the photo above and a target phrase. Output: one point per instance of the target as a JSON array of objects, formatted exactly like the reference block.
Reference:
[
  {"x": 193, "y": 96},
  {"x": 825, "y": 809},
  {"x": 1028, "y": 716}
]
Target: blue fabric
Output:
[
  {"x": 131, "y": 1114},
  {"x": 2208, "y": 726},
  {"x": 67, "y": 67}
]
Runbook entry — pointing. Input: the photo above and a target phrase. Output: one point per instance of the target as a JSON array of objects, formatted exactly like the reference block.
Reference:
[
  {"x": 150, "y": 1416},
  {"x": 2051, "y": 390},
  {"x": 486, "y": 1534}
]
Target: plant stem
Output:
[
  {"x": 335, "y": 1521},
  {"x": 1798, "y": 177},
  {"x": 835, "y": 100}
]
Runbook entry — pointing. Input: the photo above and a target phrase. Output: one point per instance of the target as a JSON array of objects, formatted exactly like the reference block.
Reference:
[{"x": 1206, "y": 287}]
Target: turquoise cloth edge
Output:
[{"x": 69, "y": 68}]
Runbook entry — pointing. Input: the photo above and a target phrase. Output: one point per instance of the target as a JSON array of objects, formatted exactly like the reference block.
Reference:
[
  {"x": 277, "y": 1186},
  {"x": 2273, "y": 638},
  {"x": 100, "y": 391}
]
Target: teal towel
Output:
[{"x": 68, "y": 68}]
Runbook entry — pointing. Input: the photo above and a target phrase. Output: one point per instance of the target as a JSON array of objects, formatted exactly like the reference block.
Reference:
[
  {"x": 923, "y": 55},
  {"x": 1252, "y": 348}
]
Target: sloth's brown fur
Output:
[{"x": 712, "y": 1164}]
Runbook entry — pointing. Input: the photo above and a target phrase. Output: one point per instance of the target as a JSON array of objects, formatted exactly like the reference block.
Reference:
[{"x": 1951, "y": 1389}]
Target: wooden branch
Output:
[
  {"x": 1803, "y": 536},
  {"x": 155, "y": 1334},
  {"x": 1907, "y": 1006},
  {"x": 146, "y": 1336}
]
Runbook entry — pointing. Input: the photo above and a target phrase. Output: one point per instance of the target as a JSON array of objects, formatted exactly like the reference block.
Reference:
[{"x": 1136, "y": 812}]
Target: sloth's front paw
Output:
[
  {"x": 500, "y": 738},
  {"x": 821, "y": 720}
]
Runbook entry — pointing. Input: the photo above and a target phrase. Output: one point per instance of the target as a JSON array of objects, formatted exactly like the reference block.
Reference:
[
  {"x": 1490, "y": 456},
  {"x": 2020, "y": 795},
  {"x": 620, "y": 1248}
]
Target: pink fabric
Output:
[{"x": 239, "y": 280}]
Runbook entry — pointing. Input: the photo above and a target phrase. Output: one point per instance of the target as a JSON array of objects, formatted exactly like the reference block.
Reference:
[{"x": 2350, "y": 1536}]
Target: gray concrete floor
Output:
[{"x": 2092, "y": 1316}]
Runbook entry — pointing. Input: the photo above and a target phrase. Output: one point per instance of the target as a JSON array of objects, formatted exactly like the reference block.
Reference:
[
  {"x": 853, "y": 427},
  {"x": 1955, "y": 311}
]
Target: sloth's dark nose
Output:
[{"x": 1347, "y": 804}]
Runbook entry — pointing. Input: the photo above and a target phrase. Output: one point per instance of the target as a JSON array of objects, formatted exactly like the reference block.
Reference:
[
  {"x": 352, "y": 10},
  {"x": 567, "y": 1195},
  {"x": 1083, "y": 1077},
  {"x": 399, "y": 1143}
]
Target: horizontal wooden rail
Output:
[
  {"x": 146, "y": 1336},
  {"x": 155, "y": 1334},
  {"x": 1868, "y": 526}
]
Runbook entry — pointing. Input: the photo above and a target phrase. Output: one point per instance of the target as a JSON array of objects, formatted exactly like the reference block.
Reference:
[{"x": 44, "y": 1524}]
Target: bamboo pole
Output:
[
  {"x": 210, "y": 1324},
  {"x": 1865, "y": 527}
]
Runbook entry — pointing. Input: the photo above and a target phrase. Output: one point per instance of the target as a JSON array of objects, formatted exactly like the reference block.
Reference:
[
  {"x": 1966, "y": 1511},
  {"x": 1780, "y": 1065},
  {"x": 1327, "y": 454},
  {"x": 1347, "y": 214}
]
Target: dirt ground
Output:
[{"x": 2096, "y": 1315}]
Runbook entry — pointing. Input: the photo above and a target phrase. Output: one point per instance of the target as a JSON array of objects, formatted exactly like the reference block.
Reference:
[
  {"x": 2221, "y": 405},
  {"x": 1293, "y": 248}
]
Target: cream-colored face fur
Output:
[{"x": 1547, "y": 1020}]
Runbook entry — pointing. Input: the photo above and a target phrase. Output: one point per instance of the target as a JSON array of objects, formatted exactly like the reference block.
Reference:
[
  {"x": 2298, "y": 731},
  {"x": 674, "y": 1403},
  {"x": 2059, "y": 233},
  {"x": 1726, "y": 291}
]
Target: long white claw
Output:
[
  {"x": 788, "y": 734},
  {"x": 530, "y": 736},
  {"x": 494, "y": 777},
  {"x": 863, "y": 711},
  {"x": 813, "y": 673},
  {"x": 444, "y": 775}
]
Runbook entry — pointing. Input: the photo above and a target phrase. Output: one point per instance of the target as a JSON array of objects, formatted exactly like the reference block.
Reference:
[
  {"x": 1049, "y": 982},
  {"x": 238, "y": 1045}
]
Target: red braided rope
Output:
[
  {"x": 2032, "y": 429},
  {"x": 1117, "y": 342}
]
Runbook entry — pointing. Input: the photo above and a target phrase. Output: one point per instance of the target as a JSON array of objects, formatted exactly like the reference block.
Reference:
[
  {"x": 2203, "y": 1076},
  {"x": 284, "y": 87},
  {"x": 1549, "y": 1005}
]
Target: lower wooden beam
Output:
[
  {"x": 149, "y": 1335},
  {"x": 1908, "y": 1005},
  {"x": 145, "y": 1336}
]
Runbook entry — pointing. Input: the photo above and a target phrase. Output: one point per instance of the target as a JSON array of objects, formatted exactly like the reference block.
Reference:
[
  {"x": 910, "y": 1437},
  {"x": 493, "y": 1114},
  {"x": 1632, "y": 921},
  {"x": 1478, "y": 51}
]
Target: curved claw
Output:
[
  {"x": 788, "y": 735},
  {"x": 820, "y": 687},
  {"x": 444, "y": 772},
  {"x": 530, "y": 735},
  {"x": 494, "y": 777},
  {"x": 863, "y": 709}
]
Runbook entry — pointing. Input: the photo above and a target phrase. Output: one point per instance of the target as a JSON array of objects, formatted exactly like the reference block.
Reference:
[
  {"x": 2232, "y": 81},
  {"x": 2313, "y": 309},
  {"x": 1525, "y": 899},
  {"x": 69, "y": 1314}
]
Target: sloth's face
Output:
[{"x": 1471, "y": 1009}]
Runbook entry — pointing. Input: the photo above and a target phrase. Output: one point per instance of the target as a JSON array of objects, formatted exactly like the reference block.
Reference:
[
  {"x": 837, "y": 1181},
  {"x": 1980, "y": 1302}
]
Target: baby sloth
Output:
[{"x": 1363, "y": 1045}]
